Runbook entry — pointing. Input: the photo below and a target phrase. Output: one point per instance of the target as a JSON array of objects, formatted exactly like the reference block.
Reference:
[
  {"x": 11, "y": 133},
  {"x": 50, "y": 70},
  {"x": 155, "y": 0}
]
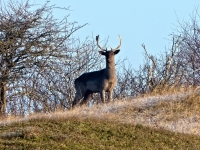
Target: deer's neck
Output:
[{"x": 110, "y": 70}]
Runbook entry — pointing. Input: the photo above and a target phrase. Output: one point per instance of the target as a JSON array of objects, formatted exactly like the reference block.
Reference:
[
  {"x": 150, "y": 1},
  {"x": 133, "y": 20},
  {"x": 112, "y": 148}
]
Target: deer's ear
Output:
[
  {"x": 116, "y": 52},
  {"x": 102, "y": 53}
]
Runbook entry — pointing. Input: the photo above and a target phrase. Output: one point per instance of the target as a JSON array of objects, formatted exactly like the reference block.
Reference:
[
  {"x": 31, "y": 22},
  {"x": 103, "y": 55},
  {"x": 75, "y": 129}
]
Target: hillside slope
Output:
[{"x": 139, "y": 123}]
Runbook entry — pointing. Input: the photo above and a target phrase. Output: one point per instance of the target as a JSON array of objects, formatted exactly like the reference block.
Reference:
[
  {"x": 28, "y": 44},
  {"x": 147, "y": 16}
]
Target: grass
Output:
[
  {"x": 75, "y": 133},
  {"x": 157, "y": 122}
]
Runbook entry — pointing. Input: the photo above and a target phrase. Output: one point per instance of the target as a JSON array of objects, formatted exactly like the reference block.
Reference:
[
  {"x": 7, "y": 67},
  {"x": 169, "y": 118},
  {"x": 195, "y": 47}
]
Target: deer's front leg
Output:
[
  {"x": 110, "y": 95},
  {"x": 102, "y": 94}
]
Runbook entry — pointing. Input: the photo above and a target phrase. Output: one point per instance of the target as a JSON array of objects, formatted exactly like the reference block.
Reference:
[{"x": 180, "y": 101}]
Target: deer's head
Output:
[{"x": 109, "y": 54}]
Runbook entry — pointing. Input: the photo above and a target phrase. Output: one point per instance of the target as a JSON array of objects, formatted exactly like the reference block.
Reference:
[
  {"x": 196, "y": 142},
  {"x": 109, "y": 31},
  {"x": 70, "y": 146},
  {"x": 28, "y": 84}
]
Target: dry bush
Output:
[{"x": 40, "y": 58}]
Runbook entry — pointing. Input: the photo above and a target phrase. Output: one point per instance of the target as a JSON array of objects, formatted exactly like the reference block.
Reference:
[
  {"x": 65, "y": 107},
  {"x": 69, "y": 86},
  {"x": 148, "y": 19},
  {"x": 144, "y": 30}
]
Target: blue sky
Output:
[{"x": 143, "y": 21}]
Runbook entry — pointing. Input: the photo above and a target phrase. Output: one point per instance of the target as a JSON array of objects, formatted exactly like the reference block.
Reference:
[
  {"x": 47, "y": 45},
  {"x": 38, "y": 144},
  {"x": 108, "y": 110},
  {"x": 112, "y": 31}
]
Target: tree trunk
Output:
[{"x": 2, "y": 99}]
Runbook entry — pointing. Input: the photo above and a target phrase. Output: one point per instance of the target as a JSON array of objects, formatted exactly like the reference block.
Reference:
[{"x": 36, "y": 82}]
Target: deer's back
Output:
[{"x": 95, "y": 81}]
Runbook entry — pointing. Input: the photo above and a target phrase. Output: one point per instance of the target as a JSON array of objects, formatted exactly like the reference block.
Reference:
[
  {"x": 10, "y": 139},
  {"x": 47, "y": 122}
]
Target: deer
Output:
[{"x": 100, "y": 81}]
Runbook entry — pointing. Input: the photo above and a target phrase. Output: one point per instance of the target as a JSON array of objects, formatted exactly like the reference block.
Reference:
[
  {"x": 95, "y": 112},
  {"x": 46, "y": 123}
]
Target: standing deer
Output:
[{"x": 98, "y": 81}]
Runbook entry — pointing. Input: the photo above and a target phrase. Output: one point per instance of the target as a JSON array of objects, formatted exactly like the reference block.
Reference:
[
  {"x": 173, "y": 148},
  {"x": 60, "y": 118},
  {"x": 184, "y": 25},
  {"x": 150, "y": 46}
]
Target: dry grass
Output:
[
  {"x": 177, "y": 112},
  {"x": 139, "y": 123}
]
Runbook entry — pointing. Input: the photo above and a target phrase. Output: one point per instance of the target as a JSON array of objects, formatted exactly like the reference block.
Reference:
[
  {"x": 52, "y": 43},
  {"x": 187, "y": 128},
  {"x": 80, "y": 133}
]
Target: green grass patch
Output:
[{"x": 87, "y": 134}]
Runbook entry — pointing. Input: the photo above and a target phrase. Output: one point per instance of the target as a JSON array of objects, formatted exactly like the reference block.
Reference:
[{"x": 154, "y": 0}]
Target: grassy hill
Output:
[
  {"x": 156, "y": 122},
  {"x": 75, "y": 133}
]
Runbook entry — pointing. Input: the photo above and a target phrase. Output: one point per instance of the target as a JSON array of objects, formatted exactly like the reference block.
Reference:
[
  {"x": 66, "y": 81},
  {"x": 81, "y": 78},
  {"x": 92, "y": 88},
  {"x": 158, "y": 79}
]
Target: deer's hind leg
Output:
[
  {"x": 79, "y": 95},
  {"x": 77, "y": 98},
  {"x": 87, "y": 97}
]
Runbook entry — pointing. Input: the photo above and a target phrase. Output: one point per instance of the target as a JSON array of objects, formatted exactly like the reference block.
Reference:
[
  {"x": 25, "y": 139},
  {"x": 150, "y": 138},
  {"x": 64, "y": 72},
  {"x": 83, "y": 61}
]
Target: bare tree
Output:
[
  {"x": 190, "y": 48},
  {"x": 32, "y": 43},
  {"x": 157, "y": 74},
  {"x": 164, "y": 71},
  {"x": 176, "y": 68}
]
